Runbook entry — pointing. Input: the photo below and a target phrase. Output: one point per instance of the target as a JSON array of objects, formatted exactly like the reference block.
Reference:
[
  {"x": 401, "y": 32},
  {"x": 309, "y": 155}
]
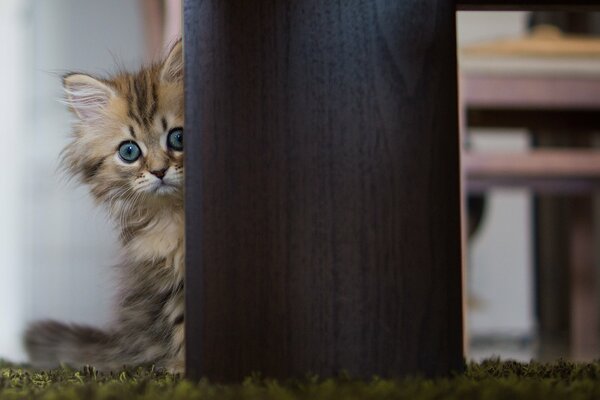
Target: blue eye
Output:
[
  {"x": 129, "y": 151},
  {"x": 175, "y": 139}
]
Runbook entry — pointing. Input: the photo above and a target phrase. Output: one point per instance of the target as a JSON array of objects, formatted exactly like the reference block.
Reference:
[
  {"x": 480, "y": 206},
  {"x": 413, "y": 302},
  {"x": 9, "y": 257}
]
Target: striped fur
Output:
[{"x": 140, "y": 107}]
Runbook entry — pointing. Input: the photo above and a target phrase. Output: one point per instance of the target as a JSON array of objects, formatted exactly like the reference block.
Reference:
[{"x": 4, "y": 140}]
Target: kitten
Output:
[{"x": 127, "y": 147}]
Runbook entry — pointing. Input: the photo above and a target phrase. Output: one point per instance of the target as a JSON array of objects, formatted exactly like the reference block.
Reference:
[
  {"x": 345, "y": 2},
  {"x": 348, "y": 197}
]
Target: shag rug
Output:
[{"x": 491, "y": 379}]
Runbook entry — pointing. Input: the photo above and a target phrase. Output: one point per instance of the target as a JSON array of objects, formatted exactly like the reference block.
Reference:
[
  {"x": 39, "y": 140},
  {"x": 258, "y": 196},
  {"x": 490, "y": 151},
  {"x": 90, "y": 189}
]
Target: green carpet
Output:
[{"x": 491, "y": 379}]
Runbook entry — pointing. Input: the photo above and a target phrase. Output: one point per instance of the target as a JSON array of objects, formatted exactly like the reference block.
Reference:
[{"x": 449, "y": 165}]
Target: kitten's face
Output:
[{"x": 128, "y": 143}]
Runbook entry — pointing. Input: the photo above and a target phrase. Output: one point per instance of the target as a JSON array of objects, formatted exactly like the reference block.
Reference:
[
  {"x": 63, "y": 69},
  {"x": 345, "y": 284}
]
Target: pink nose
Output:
[{"x": 159, "y": 173}]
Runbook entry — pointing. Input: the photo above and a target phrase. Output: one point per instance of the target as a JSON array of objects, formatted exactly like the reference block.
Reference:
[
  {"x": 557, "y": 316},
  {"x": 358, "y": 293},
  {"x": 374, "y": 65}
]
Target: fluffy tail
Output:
[{"x": 51, "y": 343}]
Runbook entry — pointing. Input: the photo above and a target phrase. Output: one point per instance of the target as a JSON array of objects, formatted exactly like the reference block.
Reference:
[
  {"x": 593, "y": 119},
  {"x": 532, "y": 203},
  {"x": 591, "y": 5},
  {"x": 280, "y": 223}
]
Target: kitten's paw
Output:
[{"x": 176, "y": 365}]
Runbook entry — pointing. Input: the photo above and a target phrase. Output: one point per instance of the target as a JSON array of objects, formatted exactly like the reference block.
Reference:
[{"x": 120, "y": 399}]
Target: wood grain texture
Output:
[
  {"x": 528, "y": 5},
  {"x": 322, "y": 188}
]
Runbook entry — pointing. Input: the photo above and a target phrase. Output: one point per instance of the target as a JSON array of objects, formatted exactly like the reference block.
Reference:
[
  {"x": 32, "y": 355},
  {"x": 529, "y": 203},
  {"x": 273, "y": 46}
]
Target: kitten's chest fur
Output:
[
  {"x": 152, "y": 305},
  {"x": 157, "y": 242}
]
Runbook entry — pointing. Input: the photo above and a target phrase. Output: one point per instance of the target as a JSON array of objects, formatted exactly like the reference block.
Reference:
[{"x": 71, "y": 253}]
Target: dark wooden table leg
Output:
[
  {"x": 584, "y": 289},
  {"x": 322, "y": 188}
]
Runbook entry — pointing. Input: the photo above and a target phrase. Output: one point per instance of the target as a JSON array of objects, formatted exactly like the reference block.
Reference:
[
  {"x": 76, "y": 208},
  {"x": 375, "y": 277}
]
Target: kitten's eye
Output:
[
  {"x": 129, "y": 151},
  {"x": 175, "y": 139}
]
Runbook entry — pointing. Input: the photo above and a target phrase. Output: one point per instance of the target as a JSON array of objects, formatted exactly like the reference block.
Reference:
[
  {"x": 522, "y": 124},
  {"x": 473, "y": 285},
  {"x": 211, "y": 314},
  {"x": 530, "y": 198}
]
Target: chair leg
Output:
[{"x": 584, "y": 294}]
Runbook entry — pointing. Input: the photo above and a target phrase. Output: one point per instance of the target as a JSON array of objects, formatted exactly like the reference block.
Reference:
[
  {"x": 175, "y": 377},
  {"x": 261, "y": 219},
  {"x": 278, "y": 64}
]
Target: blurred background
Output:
[
  {"x": 530, "y": 96},
  {"x": 499, "y": 257},
  {"x": 57, "y": 248},
  {"x": 529, "y": 177}
]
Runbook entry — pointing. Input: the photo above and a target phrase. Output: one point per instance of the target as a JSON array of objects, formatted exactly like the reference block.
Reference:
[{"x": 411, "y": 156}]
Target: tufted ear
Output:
[
  {"x": 86, "y": 96},
  {"x": 172, "y": 69}
]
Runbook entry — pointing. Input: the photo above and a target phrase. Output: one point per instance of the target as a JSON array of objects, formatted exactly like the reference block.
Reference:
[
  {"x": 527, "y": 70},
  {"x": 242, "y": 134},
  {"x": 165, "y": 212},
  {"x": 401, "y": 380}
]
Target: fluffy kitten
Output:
[{"x": 128, "y": 147}]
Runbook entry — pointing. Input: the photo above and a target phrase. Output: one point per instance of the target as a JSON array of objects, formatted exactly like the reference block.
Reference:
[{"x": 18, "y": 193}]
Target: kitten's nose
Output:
[{"x": 159, "y": 173}]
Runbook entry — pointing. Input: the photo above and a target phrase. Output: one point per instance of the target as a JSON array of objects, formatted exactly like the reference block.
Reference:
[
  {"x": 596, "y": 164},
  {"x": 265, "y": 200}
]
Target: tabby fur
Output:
[{"x": 148, "y": 211}]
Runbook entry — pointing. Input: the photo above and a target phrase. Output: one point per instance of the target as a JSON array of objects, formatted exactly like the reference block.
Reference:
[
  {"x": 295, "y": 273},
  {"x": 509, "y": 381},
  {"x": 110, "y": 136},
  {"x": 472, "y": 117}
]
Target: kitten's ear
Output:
[
  {"x": 172, "y": 69},
  {"x": 86, "y": 96}
]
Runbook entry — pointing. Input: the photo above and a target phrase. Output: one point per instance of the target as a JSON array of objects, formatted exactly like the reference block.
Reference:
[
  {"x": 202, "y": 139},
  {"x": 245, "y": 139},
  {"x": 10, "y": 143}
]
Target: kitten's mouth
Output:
[{"x": 163, "y": 187}]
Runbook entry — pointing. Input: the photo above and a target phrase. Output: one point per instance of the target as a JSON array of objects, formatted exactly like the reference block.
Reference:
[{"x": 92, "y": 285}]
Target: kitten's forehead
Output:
[
  {"x": 141, "y": 93},
  {"x": 148, "y": 106}
]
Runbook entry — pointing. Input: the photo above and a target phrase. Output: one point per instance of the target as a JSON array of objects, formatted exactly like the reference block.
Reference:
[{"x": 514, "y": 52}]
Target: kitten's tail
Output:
[{"x": 50, "y": 344}]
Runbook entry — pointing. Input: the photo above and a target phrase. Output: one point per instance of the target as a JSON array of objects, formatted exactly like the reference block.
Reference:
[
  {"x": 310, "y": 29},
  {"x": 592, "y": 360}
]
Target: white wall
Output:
[
  {"x": 12, "y": 151},
  {"x": 483, "y": 26},
  {"x": 57, "y": 247}
]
